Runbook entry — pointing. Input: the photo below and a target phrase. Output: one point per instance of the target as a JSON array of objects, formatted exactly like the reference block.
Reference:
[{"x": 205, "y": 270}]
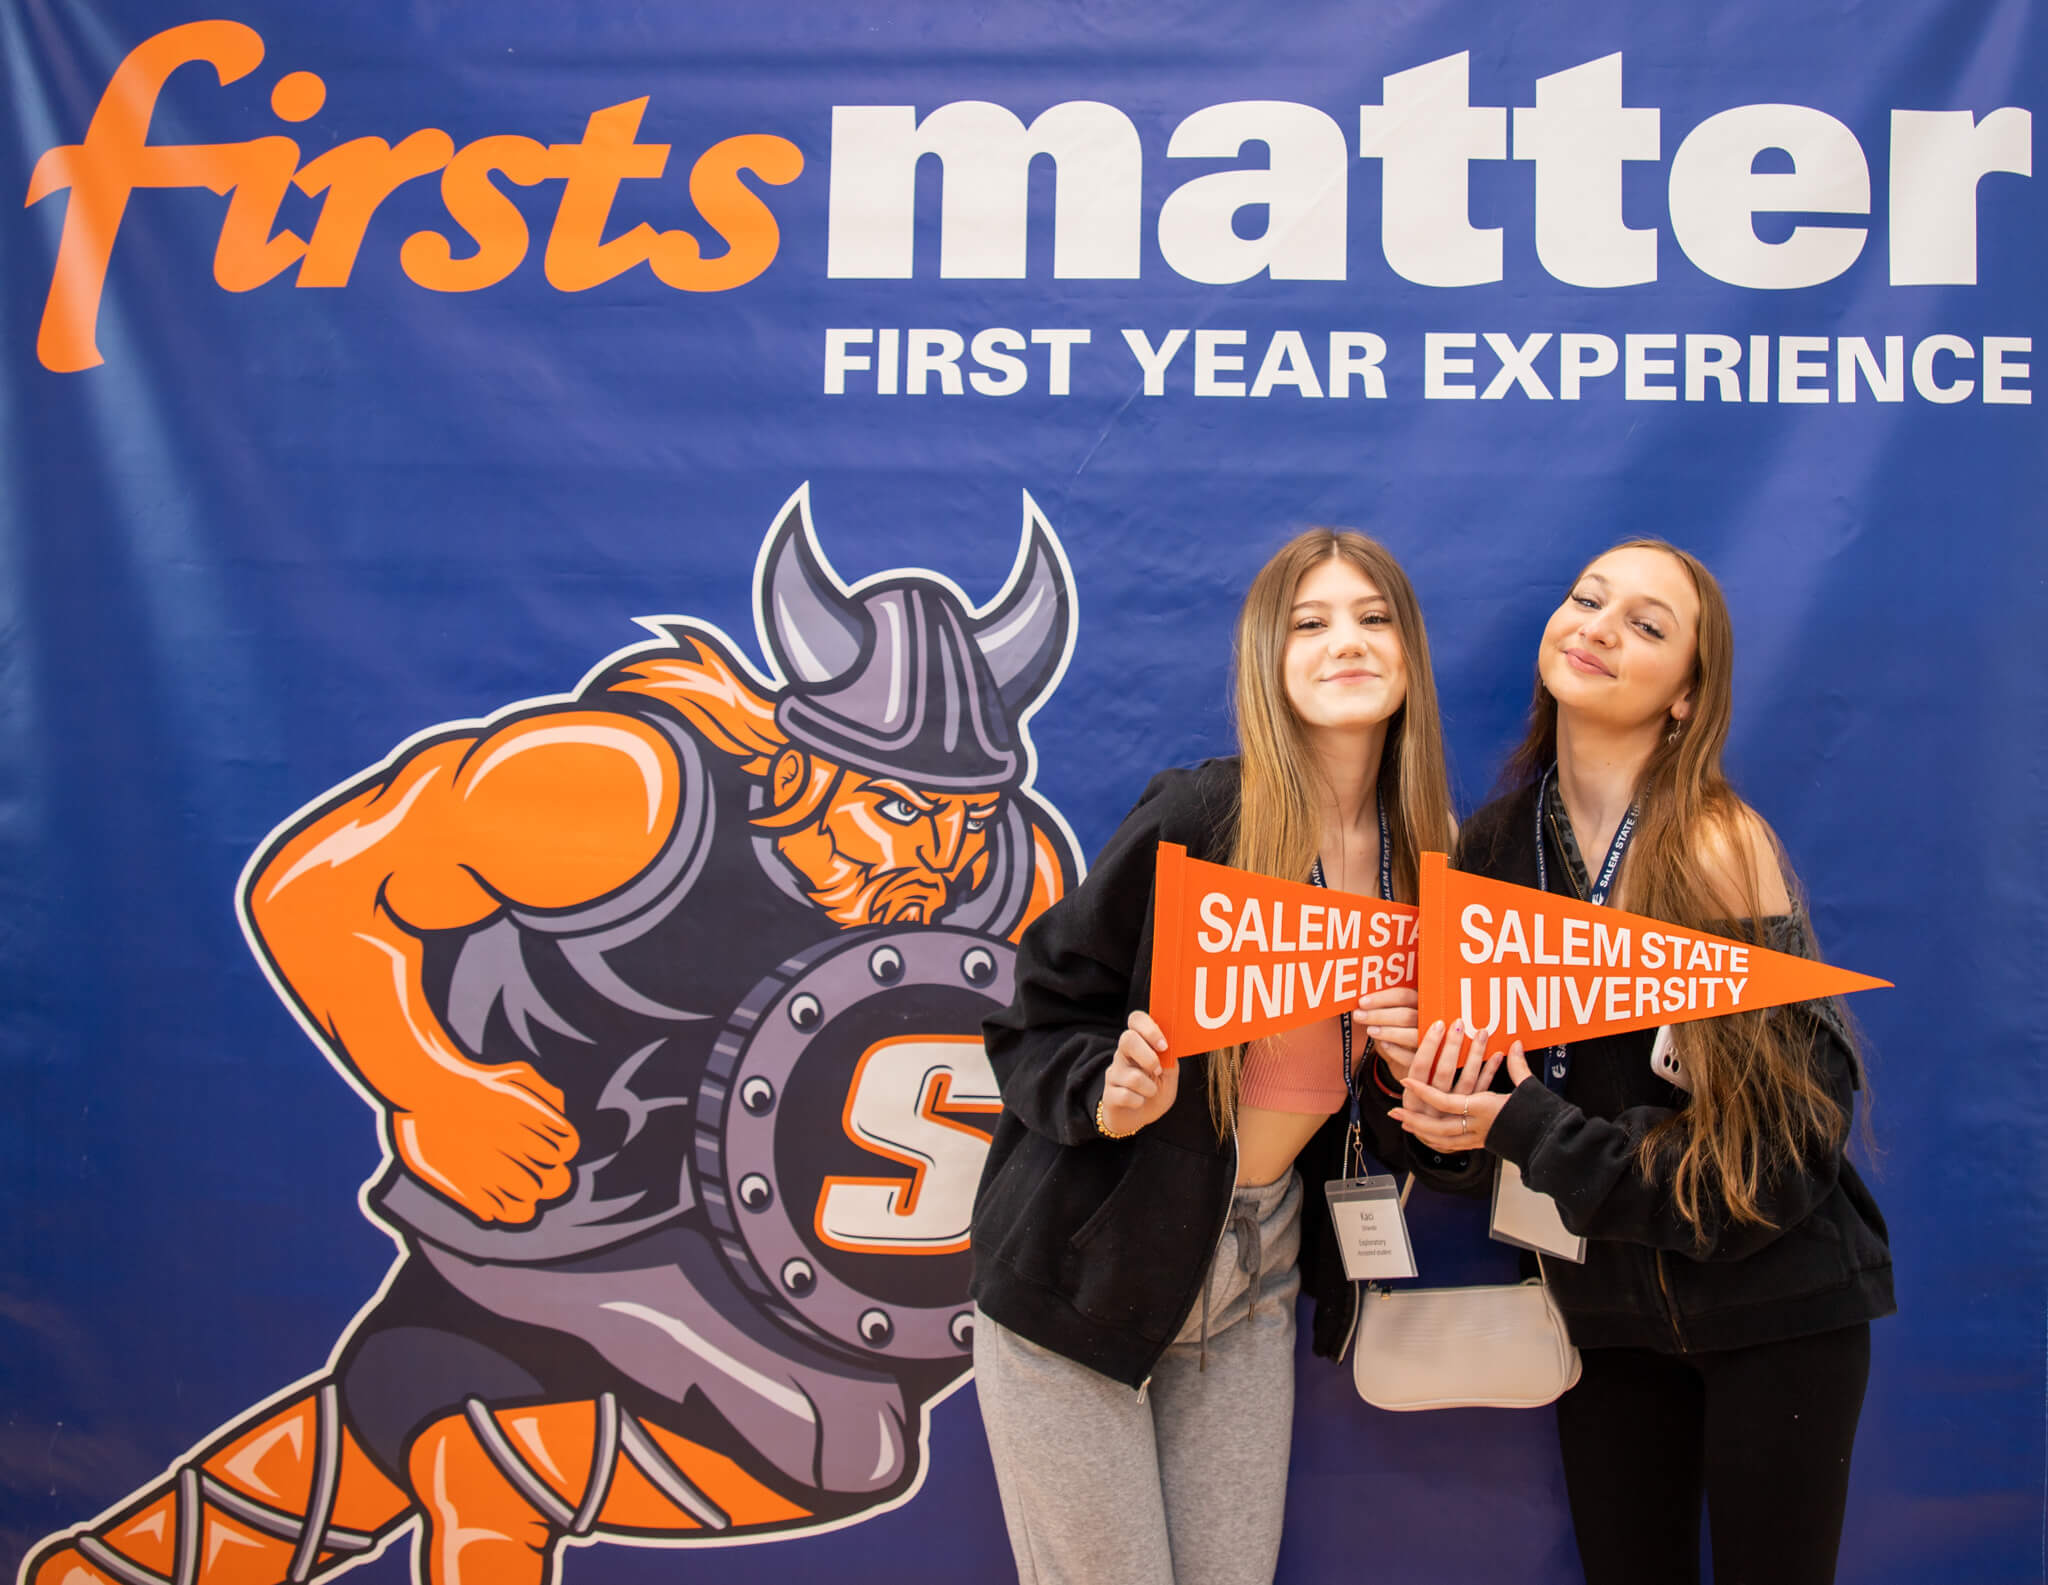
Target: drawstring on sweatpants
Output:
[{"x": 1249, "y": 1254}]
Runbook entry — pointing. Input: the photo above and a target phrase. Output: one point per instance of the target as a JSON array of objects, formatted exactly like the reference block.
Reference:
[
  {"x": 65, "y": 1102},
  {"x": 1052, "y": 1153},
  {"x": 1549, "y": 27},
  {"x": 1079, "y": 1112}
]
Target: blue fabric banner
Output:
[{"x": 574, "y": 575}]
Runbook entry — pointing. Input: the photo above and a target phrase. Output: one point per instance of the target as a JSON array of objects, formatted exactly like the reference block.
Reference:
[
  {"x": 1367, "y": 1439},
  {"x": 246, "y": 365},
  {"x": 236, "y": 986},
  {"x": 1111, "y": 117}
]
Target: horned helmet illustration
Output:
[{"x": 896, "y": 687}]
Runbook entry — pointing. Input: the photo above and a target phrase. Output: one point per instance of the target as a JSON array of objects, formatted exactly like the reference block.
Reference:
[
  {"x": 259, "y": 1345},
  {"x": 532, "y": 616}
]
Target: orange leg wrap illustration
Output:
[
  {"x": 283, "y": 1500},
  {"x": 292, "y": 1497},
  {"x": 498, "y": 1489}
]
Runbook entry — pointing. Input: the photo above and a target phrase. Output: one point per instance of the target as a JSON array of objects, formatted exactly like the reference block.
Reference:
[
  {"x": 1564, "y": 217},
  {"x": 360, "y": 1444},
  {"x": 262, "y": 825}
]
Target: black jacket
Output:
[
  {"x": 1092, "y": 1247},
  {"x": 1647, "y": 1281}
]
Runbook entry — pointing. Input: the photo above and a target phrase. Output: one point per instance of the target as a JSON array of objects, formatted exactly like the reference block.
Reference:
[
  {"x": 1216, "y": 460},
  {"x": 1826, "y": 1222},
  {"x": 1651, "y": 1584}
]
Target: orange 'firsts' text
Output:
[{"x": 116, "y": 158}]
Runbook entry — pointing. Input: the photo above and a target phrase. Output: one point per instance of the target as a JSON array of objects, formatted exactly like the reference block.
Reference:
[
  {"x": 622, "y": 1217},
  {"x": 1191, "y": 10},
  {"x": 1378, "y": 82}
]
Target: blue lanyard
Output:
[
  {"x": 1559, "y": 1063},
  {"x": 1386, "y": 895}
]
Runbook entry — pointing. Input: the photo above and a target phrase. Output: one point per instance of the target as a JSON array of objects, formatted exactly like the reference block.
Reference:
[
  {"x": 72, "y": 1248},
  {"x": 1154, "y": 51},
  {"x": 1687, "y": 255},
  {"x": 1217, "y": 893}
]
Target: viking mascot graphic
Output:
[{"x": 668, "y": 995}]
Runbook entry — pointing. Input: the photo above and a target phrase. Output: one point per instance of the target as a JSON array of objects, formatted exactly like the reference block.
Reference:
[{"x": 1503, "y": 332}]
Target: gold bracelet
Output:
[{"x": 1103, "y": 1128}]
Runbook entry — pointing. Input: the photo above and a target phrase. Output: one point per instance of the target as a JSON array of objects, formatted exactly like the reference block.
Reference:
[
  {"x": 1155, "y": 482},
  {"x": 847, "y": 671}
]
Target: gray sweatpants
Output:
[{"x": 1187, "y": 1487}]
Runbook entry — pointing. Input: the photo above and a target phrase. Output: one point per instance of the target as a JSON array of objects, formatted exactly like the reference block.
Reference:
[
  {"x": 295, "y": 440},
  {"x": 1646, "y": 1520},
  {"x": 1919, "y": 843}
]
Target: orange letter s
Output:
[{"x": 732, "y": 209}]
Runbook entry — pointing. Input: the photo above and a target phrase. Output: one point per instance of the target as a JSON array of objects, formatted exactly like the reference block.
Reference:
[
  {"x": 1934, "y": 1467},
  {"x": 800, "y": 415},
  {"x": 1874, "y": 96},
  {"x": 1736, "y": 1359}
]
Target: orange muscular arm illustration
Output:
[
  {"x": 1048, "y": 877},
  {"x": 546, "y": 812}
]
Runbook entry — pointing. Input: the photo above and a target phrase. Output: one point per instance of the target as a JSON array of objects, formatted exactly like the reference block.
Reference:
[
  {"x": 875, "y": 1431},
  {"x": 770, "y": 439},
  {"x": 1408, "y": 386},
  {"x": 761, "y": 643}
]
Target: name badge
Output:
[
  {"x": 1371, "y": 1231},
  {"x": 1526, "y": 1218}
]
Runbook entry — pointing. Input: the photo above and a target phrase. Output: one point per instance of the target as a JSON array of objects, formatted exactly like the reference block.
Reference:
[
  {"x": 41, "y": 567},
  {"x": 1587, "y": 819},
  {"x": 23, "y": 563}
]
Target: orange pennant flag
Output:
[
  {"x": 1236, "y": 956},
  {"x": 1546, "y": 970}
]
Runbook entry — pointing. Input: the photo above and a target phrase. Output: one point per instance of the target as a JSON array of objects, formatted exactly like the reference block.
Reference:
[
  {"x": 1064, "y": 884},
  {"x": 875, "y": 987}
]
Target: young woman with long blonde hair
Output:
[
  {"x": 1734, "y": 1257},
  {"x": 1137, "y": 1231}
]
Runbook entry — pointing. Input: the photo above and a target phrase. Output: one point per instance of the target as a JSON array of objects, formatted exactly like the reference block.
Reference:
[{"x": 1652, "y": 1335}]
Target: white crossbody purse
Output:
[{"x": 1498, "y": 1346}]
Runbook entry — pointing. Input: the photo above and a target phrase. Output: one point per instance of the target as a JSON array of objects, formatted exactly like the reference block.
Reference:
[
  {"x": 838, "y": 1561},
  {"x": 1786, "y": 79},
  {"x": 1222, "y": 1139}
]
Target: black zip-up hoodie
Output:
[
  {"x": 1094, "y": 1247},
  {"x": 1649, "y": 1281}
]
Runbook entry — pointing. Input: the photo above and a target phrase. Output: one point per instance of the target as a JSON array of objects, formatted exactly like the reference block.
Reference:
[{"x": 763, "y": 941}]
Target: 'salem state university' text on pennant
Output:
[
  {"x": 1523, "y": 964},
  {"x": 1236, "y": 956}
]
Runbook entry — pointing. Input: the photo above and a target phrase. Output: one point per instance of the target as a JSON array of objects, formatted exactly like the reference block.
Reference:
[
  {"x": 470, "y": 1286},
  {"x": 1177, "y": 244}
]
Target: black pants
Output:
[{"x": 1763, "y": 1434}]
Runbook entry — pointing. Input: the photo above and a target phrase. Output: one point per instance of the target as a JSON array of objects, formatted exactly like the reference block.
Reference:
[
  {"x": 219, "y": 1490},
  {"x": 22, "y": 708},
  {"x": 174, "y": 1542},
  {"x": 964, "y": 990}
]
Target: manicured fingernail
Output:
[{"x": 1457, "y": 1026}]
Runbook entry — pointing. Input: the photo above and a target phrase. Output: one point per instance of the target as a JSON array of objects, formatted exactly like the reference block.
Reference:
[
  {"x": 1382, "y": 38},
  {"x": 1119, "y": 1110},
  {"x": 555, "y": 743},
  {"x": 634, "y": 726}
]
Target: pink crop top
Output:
[{"x": 1300, "y": 1071}]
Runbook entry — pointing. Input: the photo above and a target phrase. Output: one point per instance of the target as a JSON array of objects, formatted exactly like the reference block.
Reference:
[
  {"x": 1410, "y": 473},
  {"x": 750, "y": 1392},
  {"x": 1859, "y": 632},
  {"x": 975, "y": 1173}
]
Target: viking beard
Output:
[{"x": 855, "y": 894}]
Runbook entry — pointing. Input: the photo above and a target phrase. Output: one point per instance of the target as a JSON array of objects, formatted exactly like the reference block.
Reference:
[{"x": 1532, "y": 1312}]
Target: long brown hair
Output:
[
  {"x": 1279, "y": 821},
  {"x": 1758, "y": 1108}
]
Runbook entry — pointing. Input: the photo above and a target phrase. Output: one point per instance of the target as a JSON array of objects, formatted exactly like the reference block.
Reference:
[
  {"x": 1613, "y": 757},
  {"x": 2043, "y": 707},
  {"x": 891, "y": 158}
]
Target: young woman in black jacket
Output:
[
  {"x": 1137, "y": 1227},
  {"x": 1734, "y": 1258}
]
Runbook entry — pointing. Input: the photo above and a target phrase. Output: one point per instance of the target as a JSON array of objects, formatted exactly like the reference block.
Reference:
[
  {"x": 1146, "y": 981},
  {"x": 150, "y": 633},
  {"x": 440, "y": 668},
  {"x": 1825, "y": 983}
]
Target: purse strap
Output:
[{"x": 1371, "y": 1285}]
